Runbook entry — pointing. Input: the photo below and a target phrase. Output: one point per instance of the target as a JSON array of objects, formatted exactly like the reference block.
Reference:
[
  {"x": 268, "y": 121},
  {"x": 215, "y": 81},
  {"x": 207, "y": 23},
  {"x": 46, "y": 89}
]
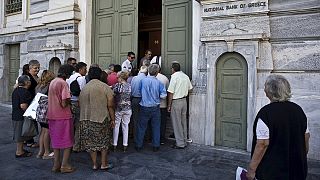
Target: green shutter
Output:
[
  {"x": 176, "y": 34},
  {"x": 115, "y": 30}
]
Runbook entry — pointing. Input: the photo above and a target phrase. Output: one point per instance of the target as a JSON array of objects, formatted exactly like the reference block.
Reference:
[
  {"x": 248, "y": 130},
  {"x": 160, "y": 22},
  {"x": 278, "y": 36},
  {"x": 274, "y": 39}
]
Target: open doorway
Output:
[{"x": 150, "y": 23}]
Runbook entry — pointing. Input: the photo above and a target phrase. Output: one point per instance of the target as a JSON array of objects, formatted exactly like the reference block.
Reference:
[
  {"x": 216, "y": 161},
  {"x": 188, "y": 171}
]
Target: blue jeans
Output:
[{"x": 148, "y": 114}]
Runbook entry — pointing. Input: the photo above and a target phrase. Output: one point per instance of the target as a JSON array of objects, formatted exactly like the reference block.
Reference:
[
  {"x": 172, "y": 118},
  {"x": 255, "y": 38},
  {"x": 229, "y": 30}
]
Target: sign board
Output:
[{"x": 234, "y": 8}]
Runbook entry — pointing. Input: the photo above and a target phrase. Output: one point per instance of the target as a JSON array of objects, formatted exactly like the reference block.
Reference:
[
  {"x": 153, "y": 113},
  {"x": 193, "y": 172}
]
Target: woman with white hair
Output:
[
  {"x": 21, "y": 99},
  {"x": 280, "y": 136}
]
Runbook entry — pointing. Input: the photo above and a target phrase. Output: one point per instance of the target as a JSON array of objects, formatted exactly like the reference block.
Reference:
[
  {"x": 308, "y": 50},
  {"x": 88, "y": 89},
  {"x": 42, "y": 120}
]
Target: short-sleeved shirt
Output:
[
  {"x": 81, "y": 81},
  {"x": 151, "y": 92},
  {"x": 94, "y": 101},
  {"x": 136, "y": 85},
  {"x": 179, "y": 85},
  {"x": 122, "y": 93},
  {"x": 165, "y": 81},
  {"x": 126, "y": 66},
  {"x": 20, "y": 95},
  {"x": 112, "y": 79},
  {"x": 262, "y": 130},
  {"x": 58, "y": 91}
]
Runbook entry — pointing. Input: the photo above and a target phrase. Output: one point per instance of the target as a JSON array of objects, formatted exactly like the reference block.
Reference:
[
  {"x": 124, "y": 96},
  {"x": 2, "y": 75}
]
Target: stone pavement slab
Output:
[{"x": 194, "y": 162}]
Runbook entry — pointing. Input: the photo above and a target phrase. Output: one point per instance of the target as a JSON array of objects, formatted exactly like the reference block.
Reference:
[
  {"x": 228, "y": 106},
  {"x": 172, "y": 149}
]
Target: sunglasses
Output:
[{"x": 132, "y": 57}]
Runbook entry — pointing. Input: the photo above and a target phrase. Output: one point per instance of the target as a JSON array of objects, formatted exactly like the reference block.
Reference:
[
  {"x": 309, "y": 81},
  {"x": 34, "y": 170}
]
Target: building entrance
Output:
[
  {"x": 231, "y": 101},
  {"x": 150, "y": 24}
]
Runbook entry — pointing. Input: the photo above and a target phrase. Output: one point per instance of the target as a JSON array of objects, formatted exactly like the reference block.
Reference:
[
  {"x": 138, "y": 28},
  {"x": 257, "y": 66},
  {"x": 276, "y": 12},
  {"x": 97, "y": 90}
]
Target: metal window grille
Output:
[{"x": 13, "y": 6}]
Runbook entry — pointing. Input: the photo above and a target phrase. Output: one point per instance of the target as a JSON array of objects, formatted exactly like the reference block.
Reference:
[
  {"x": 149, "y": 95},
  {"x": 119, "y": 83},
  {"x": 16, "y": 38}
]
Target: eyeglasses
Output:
[{"x": 132, "y": 57}]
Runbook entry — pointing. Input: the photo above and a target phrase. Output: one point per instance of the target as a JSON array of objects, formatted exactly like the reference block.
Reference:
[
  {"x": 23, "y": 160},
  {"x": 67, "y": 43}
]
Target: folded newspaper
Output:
[{"x": 32, "y": 108}]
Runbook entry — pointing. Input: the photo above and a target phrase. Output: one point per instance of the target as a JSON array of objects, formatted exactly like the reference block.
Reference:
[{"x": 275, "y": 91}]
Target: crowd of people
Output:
[{"x": 83, "y": 110}]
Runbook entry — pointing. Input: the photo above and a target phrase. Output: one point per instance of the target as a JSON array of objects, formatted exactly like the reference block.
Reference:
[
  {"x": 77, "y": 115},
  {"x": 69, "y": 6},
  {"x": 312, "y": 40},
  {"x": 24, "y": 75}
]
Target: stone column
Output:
[{"x": 2, "y": 14}]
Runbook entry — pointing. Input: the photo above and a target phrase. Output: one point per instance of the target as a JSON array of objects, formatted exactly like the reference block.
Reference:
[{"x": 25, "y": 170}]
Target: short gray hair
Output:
[
  {"x": 22, "y": 80},
  {"x": 153, "y": 69},
  {"x": 277, "y": 88},
  {"x": 33, "y": 63}
]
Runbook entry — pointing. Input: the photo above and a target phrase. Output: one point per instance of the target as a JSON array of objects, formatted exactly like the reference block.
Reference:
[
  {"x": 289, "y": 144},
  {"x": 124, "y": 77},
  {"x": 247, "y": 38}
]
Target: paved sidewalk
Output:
[{"x": 194, "y": 162}]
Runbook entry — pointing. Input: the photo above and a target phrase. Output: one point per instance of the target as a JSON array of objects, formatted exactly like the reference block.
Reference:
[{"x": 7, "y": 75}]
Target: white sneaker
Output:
[{"x": 189, "y": 140}]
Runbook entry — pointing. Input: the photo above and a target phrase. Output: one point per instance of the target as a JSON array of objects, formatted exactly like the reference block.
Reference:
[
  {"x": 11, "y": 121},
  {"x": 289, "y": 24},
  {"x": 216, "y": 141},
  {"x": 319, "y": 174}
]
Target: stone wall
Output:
[
  {"x": 295, "y": 41},
  {"x": 280, "y": 37}
]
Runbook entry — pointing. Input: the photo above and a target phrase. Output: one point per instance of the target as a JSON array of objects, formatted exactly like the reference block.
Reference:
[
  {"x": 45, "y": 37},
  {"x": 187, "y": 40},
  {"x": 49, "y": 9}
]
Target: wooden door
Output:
[
  {"x": 176, "y": 35},
  {"x": 14, "y": 63},
  {"x": 231, "y": 101},
  {"x": 155, "y": 42},
  {"x": 115, "y": 30}
]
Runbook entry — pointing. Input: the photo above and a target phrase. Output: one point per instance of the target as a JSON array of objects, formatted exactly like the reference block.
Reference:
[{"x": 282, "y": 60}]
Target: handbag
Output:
[
  {"x": 29, "y": 127},
  {"x": 42, "y": 109}
]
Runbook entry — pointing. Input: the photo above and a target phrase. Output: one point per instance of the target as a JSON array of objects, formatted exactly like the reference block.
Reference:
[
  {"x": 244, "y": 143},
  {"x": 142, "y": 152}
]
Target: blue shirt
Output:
[
  {"x": 136, "y": 85},
  {"x": 151, "y": 92}
]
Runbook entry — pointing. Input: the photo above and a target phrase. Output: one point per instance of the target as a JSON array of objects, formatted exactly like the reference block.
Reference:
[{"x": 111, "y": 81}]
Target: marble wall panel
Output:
[
  {"x": 296, "y": 56},
  {"x": 245, "y": 25},
  {"x": 197, "y": 118},
  {"x": 36, "y": 45},
  {"x": 295, "y": 26},
  {"x": 37, "y": 6},
  {"x": 282, "y": 5}
]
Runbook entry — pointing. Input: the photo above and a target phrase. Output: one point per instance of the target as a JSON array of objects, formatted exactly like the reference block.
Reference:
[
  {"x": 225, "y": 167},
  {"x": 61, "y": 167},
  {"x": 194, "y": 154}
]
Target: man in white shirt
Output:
[
  {"x": 156, "y": 60},
  {"x": 79, "y": 76},
  {"x": 127, "y": 64},
  {"x": 163, "y": 108}
]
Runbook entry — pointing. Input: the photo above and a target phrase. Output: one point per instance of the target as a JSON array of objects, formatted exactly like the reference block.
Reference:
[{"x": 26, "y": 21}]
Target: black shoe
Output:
[
  {"x": 155, "y": 149},
  {"x": 177, "y": 147},
  {"x": 171, "y": 135},
  {"x": 125, "y": 148},
  {"x": 138, "y": 149}
]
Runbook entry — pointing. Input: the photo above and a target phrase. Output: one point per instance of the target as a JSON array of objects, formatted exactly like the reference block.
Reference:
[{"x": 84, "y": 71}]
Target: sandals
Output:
[
  {"x": 25, "y": 154},
  {"x": 33, "y": 145},
  {"x": 108, "y": 167},
  {"x": 49, "y": 156},
  {"x": 67, "y": 169}
]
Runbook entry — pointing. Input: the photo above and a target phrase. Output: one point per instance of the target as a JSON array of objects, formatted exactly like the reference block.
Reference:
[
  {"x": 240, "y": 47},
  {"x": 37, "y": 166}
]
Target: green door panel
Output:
[
  {"x": 14, "y": 63},
  {"x": 115, "y": 30},
  {"x": 176, "y": 35},
  {"x": 231, "y": 101}
]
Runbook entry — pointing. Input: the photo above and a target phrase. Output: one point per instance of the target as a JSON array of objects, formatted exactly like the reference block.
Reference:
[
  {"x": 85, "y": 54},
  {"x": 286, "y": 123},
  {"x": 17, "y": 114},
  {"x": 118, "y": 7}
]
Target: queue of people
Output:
[{"x": 87, "y": 116}]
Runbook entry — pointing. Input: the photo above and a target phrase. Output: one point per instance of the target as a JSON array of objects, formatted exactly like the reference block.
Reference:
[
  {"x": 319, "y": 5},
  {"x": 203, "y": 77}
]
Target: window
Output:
[{"x": 13, "y": 6}]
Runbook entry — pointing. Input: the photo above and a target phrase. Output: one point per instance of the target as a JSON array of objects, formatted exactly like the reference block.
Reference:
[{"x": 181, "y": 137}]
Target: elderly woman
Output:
[
  {"x": 60, "y": 119},
  {"x": 280, "y": 136},
  {"x": 21, "y": 98},
  {"x": 123, "y": 113},
  {"x": 96, "y": 117}
]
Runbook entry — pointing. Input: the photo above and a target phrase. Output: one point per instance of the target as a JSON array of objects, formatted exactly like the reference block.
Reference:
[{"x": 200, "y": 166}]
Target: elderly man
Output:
[
  {"x": 151, "y": 92},
  {"x": 145, "y": 61},
  {"x": 178, "y": 90},
  {"x": 136, "y": 96}
]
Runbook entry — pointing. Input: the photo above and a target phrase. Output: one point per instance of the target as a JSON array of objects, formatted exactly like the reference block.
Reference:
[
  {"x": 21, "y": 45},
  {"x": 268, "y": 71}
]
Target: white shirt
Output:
[
  {"x": 262, "y": 130},
  {"x": 126, "y": 65},
  {"x": 81, "y": 80},
  {"x": 154, "y": 60},
  {"x": 165, "y": 81}
]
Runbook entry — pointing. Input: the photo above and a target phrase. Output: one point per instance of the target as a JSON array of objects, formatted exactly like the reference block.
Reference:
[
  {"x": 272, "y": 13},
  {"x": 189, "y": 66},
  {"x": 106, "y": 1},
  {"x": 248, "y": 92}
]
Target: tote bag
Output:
[{"x": 29, "y": 127}]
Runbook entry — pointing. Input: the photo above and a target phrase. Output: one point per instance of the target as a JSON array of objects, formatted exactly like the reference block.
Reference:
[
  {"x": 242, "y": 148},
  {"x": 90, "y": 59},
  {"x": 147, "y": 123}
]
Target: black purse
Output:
[{"x": 29, "y": 127}]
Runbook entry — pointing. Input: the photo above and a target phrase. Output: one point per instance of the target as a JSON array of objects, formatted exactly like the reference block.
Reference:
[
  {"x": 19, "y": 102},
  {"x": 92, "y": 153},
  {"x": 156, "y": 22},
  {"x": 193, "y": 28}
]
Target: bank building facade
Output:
[{"x": 227, "y": 48}]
